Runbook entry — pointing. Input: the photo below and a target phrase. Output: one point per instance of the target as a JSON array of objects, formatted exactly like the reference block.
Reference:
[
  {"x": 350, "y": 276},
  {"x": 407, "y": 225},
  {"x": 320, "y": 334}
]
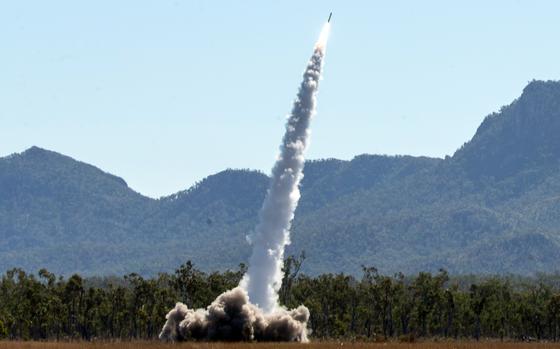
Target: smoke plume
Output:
[
  {"x": 251, "y": 311},
  {"x": 232, "y": 318},
  {"x": 272, "y": 234}
]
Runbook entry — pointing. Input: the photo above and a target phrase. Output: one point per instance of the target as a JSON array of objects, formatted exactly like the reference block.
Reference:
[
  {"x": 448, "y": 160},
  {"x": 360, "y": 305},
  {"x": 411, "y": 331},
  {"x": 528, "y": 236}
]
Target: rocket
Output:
[{"x": 329, "y": 20}]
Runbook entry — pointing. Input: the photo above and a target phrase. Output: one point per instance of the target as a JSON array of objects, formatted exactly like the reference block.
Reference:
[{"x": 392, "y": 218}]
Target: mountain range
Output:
[{"x": 492, "y": 207}]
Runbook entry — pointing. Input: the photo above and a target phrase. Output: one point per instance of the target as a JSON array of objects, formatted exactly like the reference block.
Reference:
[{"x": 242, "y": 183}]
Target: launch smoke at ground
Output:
[
  {"x": 232, "y": 318},
  {"x": 251, "y": 311}
]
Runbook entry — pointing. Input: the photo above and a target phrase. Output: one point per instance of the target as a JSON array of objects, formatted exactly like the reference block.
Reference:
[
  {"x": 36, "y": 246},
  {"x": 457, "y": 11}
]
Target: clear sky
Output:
[{"x": 164, "y": 93}]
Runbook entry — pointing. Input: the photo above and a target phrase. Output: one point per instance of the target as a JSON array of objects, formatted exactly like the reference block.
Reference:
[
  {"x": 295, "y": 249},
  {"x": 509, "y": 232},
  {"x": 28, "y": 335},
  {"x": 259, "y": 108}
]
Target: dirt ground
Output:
[{"x": 312, "y": 345}]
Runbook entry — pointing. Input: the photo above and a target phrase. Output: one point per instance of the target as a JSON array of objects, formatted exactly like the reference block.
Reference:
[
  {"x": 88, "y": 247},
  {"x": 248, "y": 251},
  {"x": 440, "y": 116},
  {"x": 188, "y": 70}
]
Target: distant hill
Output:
[{"x": 492, "y": 207}]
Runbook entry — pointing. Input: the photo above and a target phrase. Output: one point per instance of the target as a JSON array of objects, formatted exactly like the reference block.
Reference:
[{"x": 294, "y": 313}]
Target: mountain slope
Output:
[
  {"x": 51, "y": 203},
  {"x": 494, "y": 206}
]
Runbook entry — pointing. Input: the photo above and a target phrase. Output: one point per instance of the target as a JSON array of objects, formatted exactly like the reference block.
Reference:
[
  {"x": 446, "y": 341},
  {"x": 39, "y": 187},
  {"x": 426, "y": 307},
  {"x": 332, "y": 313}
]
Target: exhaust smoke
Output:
[
  {"x": 251, "y": 310},
  {"x": 272, "y": 234}
]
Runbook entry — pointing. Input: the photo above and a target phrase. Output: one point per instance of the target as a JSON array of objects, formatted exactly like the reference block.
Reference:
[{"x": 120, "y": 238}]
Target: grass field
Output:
[{"x": 316, "y": 345}]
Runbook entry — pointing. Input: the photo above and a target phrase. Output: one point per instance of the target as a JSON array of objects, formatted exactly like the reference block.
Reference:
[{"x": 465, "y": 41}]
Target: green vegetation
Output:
[
  {"x": 371, "y": 307},
  {"x": 493, "y": 207}
]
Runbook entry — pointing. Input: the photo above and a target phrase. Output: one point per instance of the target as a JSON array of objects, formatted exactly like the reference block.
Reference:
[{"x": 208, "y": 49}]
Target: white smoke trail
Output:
[
  {"x": 272, "y": 234},
  {"x": 251, "y": 311}
]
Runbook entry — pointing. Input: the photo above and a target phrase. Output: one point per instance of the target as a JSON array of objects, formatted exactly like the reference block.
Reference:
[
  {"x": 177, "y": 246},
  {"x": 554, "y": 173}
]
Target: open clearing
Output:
[{"x": 313, "y": 345}]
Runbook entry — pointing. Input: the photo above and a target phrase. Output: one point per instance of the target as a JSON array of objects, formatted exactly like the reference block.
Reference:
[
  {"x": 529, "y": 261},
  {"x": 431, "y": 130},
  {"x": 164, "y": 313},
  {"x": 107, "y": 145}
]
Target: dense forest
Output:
[
  {"x": 370, "y": 307},
  {"x": 492, "y": 207}
]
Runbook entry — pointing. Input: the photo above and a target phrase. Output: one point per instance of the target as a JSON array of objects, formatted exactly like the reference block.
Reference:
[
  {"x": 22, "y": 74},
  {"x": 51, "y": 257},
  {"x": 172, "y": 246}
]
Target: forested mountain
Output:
[{"x": 492, "y": 207}]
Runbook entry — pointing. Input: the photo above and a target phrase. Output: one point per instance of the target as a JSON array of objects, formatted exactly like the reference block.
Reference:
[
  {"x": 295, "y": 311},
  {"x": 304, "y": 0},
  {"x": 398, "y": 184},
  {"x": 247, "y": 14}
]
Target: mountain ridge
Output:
[{"x": 493, "y": 206}]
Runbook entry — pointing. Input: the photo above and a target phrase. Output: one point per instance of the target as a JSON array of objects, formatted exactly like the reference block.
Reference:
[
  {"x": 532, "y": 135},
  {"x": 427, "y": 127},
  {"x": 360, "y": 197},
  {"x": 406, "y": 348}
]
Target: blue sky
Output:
[{"x": 164, "y": 93}]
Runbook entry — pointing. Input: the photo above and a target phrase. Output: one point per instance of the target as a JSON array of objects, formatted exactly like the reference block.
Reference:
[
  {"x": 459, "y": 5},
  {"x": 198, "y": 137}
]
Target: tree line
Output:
[{"x": 370, "y": 307}]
